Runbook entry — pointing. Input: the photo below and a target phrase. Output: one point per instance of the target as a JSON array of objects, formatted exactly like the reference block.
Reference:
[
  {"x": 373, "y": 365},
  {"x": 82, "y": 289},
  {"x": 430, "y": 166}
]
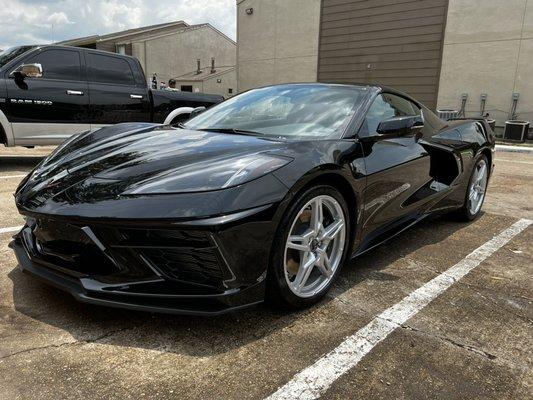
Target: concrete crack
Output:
[
  {"x": 456, "y": 343},
  {"x": 468, "y": 347},
  {"x": 36, "y": 348},
  {"x": 73, "y": 342}
]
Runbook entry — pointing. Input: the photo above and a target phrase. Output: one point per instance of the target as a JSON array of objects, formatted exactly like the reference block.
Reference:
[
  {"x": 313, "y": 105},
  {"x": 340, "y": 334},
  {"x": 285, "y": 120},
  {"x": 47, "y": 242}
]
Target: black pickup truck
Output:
[{"x": 48, "y": 93}]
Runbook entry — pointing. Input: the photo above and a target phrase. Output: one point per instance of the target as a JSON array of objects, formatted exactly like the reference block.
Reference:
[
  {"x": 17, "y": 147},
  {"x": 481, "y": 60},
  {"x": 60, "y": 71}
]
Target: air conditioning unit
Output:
[
  {"x": 447, "y": 114},
  {"x": 516, "y": 130}
]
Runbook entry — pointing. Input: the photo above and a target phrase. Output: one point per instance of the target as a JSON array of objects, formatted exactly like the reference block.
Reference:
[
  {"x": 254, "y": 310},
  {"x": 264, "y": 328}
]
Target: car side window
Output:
[
  {"x": 64, "y": 65},
  {"x": 384, "y": 107},
  {"x": 106, "y": 69}
]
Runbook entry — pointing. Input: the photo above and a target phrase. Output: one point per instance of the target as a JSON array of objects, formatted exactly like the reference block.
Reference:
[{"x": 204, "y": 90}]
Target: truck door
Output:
[
  {"x": 115, "y": 95},
  {"x": 47, "y": 110}
]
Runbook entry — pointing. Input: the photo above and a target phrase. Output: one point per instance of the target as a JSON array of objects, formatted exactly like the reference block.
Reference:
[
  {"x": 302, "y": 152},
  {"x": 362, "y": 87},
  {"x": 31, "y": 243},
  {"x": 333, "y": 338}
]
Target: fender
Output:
[
  {"x": 177, "y": 112},
  {"x": 6, "y": 125}
]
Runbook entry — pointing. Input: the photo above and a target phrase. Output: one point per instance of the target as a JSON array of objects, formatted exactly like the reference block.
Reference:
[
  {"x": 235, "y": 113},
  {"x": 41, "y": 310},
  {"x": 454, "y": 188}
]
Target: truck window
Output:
[
  {"x": 105, "y": 69},
  {"x": 64, "y": 65}
]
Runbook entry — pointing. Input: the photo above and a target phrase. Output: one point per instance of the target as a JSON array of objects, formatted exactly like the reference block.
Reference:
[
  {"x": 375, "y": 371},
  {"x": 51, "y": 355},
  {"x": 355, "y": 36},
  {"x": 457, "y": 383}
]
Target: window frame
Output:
[
  {"x": 111, "y": 55},
  {"x": 119, "y": 46},
  {"x": 385, "y": 92},
  {"x": 28, "y": 59}
]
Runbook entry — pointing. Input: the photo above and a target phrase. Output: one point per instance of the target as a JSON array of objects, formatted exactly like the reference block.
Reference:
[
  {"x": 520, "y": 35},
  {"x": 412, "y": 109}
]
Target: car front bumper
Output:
[
  {"x": 214, "y": 267},
  {"x": 210, "y": 305}
]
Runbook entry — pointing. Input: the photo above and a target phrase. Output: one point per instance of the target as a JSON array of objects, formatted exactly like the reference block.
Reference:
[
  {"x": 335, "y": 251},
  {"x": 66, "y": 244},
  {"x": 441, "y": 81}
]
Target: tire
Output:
[
  {"x": 287, "y": 284},
  {"x": 469, "y": 212}
]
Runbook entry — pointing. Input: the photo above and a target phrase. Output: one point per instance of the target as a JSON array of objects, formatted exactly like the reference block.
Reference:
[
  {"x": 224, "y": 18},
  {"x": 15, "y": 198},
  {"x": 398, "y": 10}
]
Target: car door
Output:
[
  {"x": 396, "y": 167},
  {"x": 115, "y": 95},
  {"x": 48, "y": 109}
]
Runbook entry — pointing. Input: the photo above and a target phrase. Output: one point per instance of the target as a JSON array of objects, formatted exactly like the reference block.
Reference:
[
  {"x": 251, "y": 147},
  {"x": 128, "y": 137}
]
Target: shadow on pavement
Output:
[
  {"x": 198, "y": 336},
  {"x": 8, "y": 163}
]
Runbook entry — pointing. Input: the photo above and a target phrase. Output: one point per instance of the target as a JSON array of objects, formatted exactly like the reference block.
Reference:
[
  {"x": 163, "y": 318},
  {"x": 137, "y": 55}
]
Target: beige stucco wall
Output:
[
  {"x": 174, "y": 55},
  {"x": 229, "y": 80},
  {"x": 278, "y": 43},
  {"x": 488, "y": 48}
]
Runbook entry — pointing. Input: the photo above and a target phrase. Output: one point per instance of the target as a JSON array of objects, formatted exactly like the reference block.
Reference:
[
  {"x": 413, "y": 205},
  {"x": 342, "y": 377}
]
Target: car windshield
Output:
[
  {"x": 287, "y": 110},
  {"x": 11, "y": 53}
]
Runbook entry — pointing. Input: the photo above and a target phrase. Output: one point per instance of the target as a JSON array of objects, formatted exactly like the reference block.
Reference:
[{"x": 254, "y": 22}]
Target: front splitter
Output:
[{"x": 205, "y": 305}]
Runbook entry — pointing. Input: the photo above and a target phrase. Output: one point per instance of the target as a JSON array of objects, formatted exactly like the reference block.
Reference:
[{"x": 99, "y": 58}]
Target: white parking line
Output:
[
  {"x": 514, "y": 161},
  {"x": 514, "y": 149},
  {"x": 11, "y": 229},
  {"x": 313, "y": 381},
  {"x": 11, "y": 176}
]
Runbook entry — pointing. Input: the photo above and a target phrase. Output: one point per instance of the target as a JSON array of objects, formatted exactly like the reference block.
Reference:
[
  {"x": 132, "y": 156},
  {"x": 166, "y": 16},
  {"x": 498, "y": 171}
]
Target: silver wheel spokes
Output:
[
  {"x": 478, "y": 187},
  {"x": 315, "y": 245}
]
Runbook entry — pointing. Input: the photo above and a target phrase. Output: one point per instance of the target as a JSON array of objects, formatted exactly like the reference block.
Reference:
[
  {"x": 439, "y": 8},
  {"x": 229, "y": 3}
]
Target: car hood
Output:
[{"x": 121, "y": 159}]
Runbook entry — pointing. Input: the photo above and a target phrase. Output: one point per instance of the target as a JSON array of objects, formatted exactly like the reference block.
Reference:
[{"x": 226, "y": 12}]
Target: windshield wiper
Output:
[{"x": 231, "y": 130}]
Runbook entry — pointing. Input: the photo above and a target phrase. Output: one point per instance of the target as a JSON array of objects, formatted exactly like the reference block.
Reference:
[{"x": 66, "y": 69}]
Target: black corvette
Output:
[{"x": 263, "y": 196}]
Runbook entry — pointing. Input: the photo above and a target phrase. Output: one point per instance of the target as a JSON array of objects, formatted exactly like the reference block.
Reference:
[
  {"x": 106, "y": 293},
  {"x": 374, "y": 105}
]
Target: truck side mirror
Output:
[
  {"x": 28, "y": 71},
  {"x": 196, "y": 111}
]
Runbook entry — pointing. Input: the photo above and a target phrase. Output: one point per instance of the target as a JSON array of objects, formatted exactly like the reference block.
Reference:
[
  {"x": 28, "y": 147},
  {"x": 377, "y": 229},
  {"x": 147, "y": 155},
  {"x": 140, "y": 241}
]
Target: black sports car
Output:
[{"x": 263, "y": 196}]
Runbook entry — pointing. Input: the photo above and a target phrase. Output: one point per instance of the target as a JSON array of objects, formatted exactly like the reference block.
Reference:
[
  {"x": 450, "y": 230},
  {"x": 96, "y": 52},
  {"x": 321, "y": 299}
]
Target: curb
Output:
[{"x": 513, "y": 149}]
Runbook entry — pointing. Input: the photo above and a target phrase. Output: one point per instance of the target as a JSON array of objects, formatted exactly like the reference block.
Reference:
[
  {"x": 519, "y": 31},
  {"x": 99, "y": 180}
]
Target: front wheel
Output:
[
  {"x": 310, "y": 246},
  {"x": 475, "y": 193}
]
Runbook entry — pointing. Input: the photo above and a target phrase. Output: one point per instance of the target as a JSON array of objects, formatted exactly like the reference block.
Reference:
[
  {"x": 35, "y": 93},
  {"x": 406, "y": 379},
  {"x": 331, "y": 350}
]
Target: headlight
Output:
[{"x": 209, "y": 175}]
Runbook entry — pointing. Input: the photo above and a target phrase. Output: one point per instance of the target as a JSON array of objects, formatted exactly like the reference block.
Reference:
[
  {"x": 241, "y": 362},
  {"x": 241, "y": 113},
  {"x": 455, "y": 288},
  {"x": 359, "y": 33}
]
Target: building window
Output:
[
  {"x": 121, "y": 49},
  {"x": 186, "y": 88},
  {"x": 230, "y": 90}
]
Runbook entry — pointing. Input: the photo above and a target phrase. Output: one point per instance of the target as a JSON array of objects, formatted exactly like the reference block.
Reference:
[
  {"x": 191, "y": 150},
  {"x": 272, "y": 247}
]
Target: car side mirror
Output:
[
  {"x": 28, "y": 71},
  {"x": 196, "y": 111},
  {"x": 400, "y": 126}
]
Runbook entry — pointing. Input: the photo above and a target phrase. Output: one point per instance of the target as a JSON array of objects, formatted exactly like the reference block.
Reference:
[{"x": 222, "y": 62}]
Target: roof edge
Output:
[
  {"x": 189, "y": 28},
  {"x": 119, "y": 34}
]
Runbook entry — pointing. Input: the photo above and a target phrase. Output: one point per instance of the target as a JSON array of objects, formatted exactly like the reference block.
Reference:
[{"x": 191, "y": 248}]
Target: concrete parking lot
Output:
[{"x": 473, "y": 341}]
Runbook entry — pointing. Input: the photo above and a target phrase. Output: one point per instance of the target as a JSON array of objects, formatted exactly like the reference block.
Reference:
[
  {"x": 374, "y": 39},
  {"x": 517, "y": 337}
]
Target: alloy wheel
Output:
[
  {"x": 478, "y": 187},
  {"x": 315, "y": 246}
]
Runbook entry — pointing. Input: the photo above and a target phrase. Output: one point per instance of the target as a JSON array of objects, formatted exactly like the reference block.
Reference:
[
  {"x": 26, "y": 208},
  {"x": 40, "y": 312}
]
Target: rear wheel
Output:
[
  {"x": 310, "y": 248},
  {"x": 475, "y": 193}
]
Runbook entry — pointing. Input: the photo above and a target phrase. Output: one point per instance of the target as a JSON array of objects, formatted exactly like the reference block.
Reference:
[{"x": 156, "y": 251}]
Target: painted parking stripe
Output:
[
  {"x": 514, "y": 161},
  {"x": 514, "y": 149},
  {"x": 313, "y": 381},
  {"x": 11, "y": 176},
  {"x": 11, "y": 229}
]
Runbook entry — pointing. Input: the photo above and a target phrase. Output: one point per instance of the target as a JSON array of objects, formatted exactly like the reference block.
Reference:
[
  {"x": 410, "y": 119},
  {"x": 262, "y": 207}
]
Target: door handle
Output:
[
  {"x": 74, "y": 92},
  {"x": 136, "y": 96}
]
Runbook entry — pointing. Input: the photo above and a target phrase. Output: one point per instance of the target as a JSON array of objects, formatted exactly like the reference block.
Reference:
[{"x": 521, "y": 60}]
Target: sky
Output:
[{"x": 47, "y": 21}]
